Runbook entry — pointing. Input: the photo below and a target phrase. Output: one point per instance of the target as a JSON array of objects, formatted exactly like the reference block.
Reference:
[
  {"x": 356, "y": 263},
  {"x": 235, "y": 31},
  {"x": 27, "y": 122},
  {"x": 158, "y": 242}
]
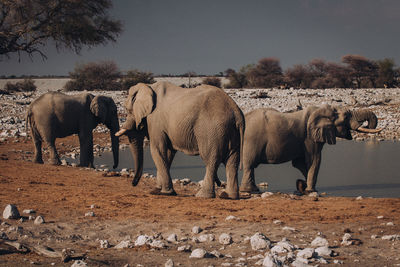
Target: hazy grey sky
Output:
[{"x": 209, "y": 36}]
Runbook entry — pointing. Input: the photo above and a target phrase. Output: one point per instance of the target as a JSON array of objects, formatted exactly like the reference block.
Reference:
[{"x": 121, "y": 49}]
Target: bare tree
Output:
[
  {"x": 299, "y": 76},
  {"x": 28, "y": 25},
  {"x": 362, "y": 69},
  {"x": 267, "y": 73},
  {"x": 386, "y": 73}
]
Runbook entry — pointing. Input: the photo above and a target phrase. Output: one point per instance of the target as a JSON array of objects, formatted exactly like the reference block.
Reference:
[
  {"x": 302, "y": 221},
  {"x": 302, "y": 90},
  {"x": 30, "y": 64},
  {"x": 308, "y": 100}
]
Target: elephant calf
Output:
[
  {"x": 274, "y": 137},
  {"x": 55, "y": 115}
]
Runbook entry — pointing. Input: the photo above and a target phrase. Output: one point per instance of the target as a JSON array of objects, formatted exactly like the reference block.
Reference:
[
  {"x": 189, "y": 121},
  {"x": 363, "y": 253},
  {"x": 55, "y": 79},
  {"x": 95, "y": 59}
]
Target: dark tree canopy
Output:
[{"x": 27, "y": 25}]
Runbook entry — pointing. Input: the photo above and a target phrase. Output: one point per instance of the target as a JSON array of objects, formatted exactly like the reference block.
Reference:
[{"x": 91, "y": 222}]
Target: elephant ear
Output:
[
  {"x": 140, "y": 102},
  {"x": 98, "y": 106},
  {"x": 321, "y": 127}
]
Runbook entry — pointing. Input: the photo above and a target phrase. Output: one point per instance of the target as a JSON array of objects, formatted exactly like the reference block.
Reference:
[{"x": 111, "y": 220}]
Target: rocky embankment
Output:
[{"x": 384, "y": 102}]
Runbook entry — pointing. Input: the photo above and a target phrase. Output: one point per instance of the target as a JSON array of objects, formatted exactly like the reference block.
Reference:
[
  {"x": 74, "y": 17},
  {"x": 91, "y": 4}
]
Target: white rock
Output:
[
  {"x": 300, "y": 263},
  {"x": 277, "y": 222},
  {"x": 157, "y": 244},
  {"x": 90, "y": 214},
  {"x": 271, "y": 261},
  {"x": 206, "y": 238},
  {"x": 143, "y": 240},
  {"x": 347, "y": 240},
  {"x": 169, "y": 263},
  {"x": 185, "y": 248},
  {"x": 359, "y": 198},
  {"x": 259, "y": 241},
  {"x": 231, "y": 217},
  {"x": 196, "y": 230},
  {"x": 225, "y": 239},
  {"x": 198, "y": 253},
  {"x": 39, "y": 220},
  {"x": 79, "y": 263},
  {"x": 278, "y": 249},
  {"x": 287, "y": 228},
  {"x": 306, "y": 253},
  {"x": 324, "y": 251},
  {"x": 266, "y": 194},
  {"x": 104, "y": 244},
  {"x": 30, "y": 211},
  {"x": 216, "y": 254},
  {"x": 172, "y": 238},
  {"x": 390, "y": 224},
  {"x": 124, "y": 244},
  {"x": 338, "y": 262},
  {"x": 379, "y": 217},
  {"x": 391, "y": 237},
  {"x": 286, "y": 245},
  {"x": 11, "y": 212},
  {"x": 319, "y": 242}
]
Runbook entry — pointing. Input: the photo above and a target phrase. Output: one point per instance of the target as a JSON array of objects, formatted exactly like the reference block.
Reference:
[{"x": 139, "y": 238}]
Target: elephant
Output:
[
  {"x": 273, "y": 137},
  {"x": 56, "y": 115},
  {"x": 201, "y": 121}
]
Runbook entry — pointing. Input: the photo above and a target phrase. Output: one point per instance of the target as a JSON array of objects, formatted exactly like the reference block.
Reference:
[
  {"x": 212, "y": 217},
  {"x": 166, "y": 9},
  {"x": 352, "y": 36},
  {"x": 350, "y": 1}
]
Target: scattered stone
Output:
[
  {"x": 391, "y": 237},
  {"x": 104, "y": 244},
  {"x": 143, "y": 240},
  {"x": 90, "y": 214},
  {"x": 380, "y": 217},
  {"x": 359, "y": 198},
  {"x": 266, "y": 194},
  {"x": 306, "y": 253},
  {"x": 225, "y": 239},
  {"x": 79, "y": 263},
  {"x": 278, "y": 249},
  {"x": 198, "y": 253},
  {"x": 196, "y": 230},
  {"x": 390, "y": 224},
  {"x": 286, "y": 245},
  {"x": 319, "y": 242},
  {"x": 124, "y": 244},
  {"x": 157, "y": 244},
  {"x": 259, "y": 241},
  {"x": 206, "y": 238},
  {"x": 216, "y": 254},
  {"x": 324, "y": 251},
  {"x": 271, "y": 261},
  {"x": 338, "y": 262},
  {"x": 172, "y": 238},
  {"x": 169, "y": 263},
  {"x": 185, "y": 181},
  {"x": 185, "y": 248},
  {"x": 287, "y": 228},
  {"x": 278, "y": 222},
  {"x": 231, "y": 217},
  {"x": 347, "y": 240},
  {"x": 39, "y": 220},
  {"x": 30, "y": 211},
  {"x": 11, "y": 212}
]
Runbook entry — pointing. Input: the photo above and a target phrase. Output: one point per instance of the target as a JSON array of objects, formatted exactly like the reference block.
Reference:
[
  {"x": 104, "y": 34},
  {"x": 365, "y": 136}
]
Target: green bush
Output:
[
  {"x": 27, "y": 85},
  {"x": 103, "y": 76},
  {"x": 134, "y": 77}
]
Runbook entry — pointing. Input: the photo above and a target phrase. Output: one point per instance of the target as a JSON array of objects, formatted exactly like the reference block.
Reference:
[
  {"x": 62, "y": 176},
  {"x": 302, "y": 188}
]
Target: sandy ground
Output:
[{"x": 63, "y": 195}]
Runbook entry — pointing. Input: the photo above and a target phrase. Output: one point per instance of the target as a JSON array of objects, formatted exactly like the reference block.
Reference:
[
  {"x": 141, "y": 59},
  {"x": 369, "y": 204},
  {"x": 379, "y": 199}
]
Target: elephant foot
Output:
[
  {"x": 249, "y": 188},
  {"x": 301, "y": 186},
  {"x": 39, "y": 161},
  {"x": 205, "y": 193},
  {"x": 226, "y": 195},
  {"x": 159, "y": 192}
]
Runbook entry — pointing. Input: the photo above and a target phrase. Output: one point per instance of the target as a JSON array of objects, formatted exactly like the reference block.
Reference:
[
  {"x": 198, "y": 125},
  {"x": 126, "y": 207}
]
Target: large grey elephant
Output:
[
  {"x": 274, "y": 137},
  {"x": 55, "y": 115},
  {"x": 201, "y": 121}
]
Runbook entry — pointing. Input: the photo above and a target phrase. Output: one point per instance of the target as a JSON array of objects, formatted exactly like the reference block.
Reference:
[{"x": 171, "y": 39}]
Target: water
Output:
[{"x": 349, "y": 168}]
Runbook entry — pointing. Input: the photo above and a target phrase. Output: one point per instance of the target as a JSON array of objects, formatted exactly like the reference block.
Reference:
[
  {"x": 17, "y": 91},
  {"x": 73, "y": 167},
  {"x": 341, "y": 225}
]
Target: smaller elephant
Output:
[
  {"x": 274, "y": 137},
  {"x": 56, "y": 115}
]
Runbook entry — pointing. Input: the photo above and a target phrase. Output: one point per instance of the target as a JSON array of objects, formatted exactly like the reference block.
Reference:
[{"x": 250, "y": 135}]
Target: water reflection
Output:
[{"x": 348, "y": 168}]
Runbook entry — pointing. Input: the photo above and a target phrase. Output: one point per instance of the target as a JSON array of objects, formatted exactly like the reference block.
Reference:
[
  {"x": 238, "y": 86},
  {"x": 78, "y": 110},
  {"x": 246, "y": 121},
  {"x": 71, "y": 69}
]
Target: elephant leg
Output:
[
  {"x": 231, "y": 166},
  {"x": 207, "y": 189},
  {"x": 301, "y": 165},
  {"x": 38, "y": 158},
  {"x": 54, "y": 158},
  {"x": 248, "y": 184},
  {"x": 162, "y": 158},
  {"x": 86, "y": 149},
  {"x": 314, "y": 164}
]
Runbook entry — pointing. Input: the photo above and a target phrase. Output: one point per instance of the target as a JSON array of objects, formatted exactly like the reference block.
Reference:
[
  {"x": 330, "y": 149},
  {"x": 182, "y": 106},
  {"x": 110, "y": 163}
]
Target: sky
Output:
[{"x": 210, "y": 36}]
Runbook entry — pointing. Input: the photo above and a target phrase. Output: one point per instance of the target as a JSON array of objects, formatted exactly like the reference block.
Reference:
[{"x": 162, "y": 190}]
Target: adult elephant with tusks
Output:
[
  {"x": 201, "y": 121},
  {"x": 55, "y": 115},
  {"x": 274, "y": 137}
]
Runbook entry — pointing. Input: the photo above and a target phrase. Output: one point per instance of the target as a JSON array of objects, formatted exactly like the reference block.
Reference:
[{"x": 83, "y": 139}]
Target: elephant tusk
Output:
[
  {"x": 121, "y": 132},
  {"x": 366, "y": 130}
]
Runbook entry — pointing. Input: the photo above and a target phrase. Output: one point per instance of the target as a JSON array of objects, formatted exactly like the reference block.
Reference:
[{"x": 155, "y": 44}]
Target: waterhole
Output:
[{"x": 349, "y": 168}]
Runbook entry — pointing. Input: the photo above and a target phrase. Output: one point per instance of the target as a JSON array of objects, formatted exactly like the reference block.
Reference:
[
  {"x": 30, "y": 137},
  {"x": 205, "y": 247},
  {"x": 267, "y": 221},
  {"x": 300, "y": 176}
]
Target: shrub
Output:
[
  {"x": 267, "y": 73},
  {"x": 134, "y": 77},
  {"x": 27, "y": 85},
  {"x": 214, "y": 81},
  {"x": 102, "y": 76}
]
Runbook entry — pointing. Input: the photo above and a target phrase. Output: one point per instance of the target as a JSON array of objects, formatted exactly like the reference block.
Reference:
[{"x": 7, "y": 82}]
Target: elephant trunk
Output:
[
  {"x": 136, "y": 145},
  {"x": 358, "y": 117},
  {"x": 115, "y": 142}
]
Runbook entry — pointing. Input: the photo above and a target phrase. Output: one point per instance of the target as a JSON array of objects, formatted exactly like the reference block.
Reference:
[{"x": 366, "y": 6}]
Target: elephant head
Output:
[
  {"x": 327, "y": 122},
  {"x": 140, "y": 103},
  {"x": 105, "y": 110}
]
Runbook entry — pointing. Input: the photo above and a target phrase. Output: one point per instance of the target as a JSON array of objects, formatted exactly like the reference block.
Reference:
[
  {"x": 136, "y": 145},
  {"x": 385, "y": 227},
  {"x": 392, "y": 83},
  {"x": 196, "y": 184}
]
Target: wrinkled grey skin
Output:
[
  {"x": 201, "y": 121},
  {"x": 56, "y": 115},
  {"x": 273, "y": 137}
]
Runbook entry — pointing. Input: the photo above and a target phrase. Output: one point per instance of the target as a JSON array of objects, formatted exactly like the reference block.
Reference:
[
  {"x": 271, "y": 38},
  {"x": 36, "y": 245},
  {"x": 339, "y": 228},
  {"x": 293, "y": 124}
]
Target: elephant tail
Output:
[
  {"x": 240, "y": 125},
  {"x": 28, "y": 121}
]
